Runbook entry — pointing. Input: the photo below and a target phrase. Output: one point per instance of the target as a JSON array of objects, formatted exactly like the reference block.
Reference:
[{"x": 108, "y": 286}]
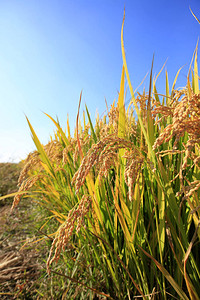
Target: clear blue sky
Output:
[{"x": 51, "y": 50}]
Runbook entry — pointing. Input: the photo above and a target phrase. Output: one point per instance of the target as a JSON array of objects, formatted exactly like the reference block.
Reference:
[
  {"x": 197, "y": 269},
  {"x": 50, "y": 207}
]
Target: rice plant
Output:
[{"x": 124, "y": 193}]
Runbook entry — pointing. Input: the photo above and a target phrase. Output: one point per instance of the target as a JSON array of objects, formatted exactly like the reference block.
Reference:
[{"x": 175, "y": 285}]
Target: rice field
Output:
[{"x": 122, "y": 196}]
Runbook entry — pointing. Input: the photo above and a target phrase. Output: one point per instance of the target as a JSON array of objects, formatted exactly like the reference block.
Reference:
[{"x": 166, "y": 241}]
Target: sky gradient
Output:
[{"x": 51, "y": 50}]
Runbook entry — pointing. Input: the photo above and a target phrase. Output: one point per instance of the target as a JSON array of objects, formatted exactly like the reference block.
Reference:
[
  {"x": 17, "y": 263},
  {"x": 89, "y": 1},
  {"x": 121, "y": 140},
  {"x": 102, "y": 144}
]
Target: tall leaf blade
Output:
[
  {"x": 150, "y": 124},
  {"x": 133, "y": 96},
  {"x": 196, "y": 77},
  {"x": 91, "y": 126},
  {"x": 195, "y": 16},
  {"x": 40, "y": 149},
  {"x": 121, "y": 107},
  {"x": 167, "y": 88},
  {"x": 173, "y": 283},
  {"x": 176, "y": 77},
  {"x": 63, "y": 135}
]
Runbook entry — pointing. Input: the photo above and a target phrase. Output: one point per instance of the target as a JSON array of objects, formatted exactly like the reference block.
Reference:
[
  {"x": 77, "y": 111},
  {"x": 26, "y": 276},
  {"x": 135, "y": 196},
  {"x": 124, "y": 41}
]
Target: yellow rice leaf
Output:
[
  {"x": 68, "y": 127},
  {"x": 42, "y": 153},
  {"x": 63, "y": 135},
  {"x": 123, "y": 222},
  {"x": 121, "y": 107},
  {"x": 155, "y": 93},
  {"x": 91, "y": 126},
  {"x": 194, "y": 15},
  {"x": 121, "y": 125},
  {"x": 160, "y": 71},
  {"x": 193, "y": 84},
  {"x": 133, "y": 96},
  {"x": 61, "y": 216},
  {"x": 13, "y": 194},
  {"x": 150, "y": 124},
  {"x": 188, "y": 76},
  {"x": 173, "y": 85},
  {"x": 167, "y": 88},
  {"x": 161, "y": 229},
  {"x": 189, "y": 89},
  {"x": 196, "y": 77},
  {"x": 46, "y": 168},
  {"x": 77, "y": 127},
  {"x": 126, "y": 212},
  {"x": 84, "y": 121},
  {"x": 89, "y": 179}
]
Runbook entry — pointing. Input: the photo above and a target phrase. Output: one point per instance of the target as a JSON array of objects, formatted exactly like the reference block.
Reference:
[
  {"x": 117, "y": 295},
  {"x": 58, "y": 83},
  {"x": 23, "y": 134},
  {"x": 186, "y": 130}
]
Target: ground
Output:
[{"x": 21, "y": 263}]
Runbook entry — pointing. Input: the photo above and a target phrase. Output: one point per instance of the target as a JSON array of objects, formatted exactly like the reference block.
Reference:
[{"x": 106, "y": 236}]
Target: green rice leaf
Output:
[
  {"x": 177, "y": 288},
  {"x": 176, "y": 77},
  {"x": 63, "y": 135},
  {"x": 91, "y": 126}
]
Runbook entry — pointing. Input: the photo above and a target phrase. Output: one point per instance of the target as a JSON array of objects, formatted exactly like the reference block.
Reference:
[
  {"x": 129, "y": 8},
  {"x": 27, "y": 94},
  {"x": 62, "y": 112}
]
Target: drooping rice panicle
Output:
[{"x": 74, "y": 219}]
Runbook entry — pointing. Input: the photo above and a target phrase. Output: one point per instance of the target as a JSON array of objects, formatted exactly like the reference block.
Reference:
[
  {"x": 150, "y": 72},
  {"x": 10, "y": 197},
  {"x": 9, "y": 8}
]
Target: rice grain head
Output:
[{"x": 74, "y": 219}]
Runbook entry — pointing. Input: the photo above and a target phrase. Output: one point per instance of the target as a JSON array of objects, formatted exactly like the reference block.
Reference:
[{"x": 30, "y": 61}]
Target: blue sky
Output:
[{"x": 51, "y": 50}]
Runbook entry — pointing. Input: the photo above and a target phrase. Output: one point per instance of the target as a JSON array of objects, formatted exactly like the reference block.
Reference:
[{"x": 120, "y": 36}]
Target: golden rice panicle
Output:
[
  {"x": 97, "y": 156},
  {"x": 113, "y": 115},
  {"x": 190, "y": 154},
  {"x": 165, "y": 136},
  {"x": 31, "y": 161},
  {"x": 72, "y": 149},
  {"x": 54, "y": 151},
  {"x": 65, "y": 231},
  {"x": 25, "y": 186},
  {"x": 87, "y": 163},
  {"x": 197, "y": 158},
  {"x": 131, "y": 128},
  {"x": 165, "y": 111},
  {"x": 190, "y": 189},
  {"x": 106, "y": 162},
  {"x": 104, "y": 129},
  {"x": 134, "y": 163},
  {"x": 110, "y": 127},
  {"x": 108, "y": 158},
  {"x": 185, "y": 118},
  {"x": 68, "y": 150},
  {"x": 141, "y": 99}
]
